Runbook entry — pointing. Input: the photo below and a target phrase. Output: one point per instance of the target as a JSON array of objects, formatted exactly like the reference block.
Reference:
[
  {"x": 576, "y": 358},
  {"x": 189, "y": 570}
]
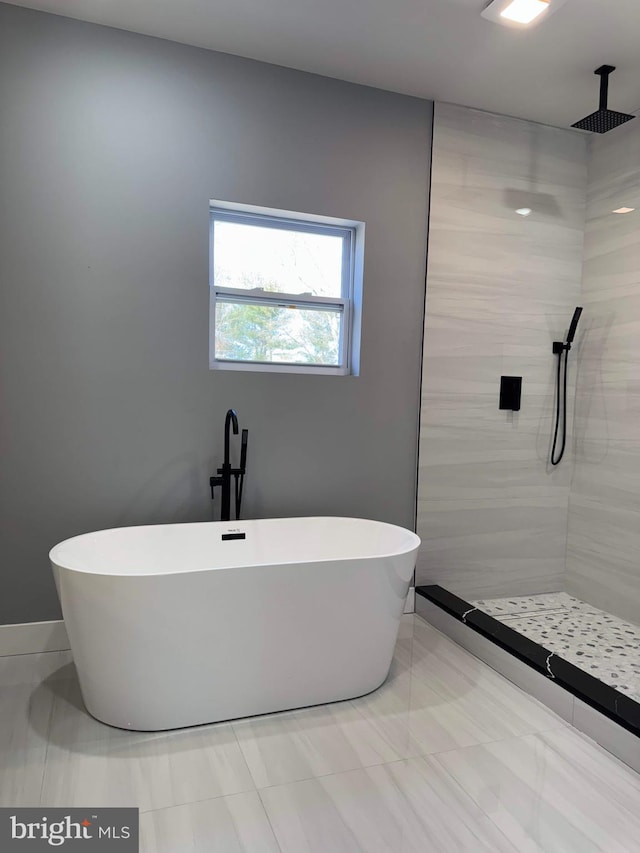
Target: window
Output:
[{"x": 282, "y": 290}]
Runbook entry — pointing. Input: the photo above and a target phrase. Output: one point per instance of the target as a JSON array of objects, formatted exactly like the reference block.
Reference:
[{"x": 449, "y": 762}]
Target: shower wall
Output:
[
  {"x": 501, "y": 287},
  {"x": 603, "y": 566}
]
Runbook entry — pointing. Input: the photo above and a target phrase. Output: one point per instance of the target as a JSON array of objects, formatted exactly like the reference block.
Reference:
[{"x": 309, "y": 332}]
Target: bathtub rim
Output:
[{"x": 415, "y": 543}]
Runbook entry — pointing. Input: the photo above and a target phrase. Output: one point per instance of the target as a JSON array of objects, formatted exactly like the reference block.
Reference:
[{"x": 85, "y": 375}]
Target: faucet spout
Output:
[
  {"x": 230, "y": 421},
  {"x": 230, "y": 418}
]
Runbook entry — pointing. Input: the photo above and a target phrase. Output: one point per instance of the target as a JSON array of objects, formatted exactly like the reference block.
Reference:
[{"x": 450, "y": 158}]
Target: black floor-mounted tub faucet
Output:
[{"x": 226, "y": 472}]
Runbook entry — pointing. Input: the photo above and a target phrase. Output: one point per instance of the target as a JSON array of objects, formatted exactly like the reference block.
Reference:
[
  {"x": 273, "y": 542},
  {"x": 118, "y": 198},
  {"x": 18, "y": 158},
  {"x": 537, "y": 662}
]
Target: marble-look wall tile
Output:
[
  {"x": 501, "y": 288},
  {"x": 604, "y": 514},
  {"x": 480, "y": 548}
]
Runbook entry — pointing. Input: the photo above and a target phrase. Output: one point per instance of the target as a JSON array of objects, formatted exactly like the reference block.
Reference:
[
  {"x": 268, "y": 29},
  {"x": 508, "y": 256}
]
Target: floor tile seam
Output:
[
  {"x": 361, "y": 768},
  {"x": 142, "y": 810},
  {"x": 99, "y": 746},
  {"x": 590, "y": 744},
  {"x": 460, "y": 674},
  {"x": 213, "y": 799},
  {"x": 417, "y": 752},
  {"x": 195, "y": 802},
  {"x": 117, "y": 741},
  {"x": 264, "y": 808},
  {"x": 520, "y": 692},
  {"x": 368, "y": 718},
  {"x": 243, "y": 756},
  {"x": 468, "y": 804},
  {"x": 604, "y": 754},
  {"x": 466, "y": 796},
  {"x": 46, "y": 751},
  {"x": 371, "y": 718},
  {"x": 512, "y": 686},
  {"x": 410, "y": 753},
  {"x": 105, "y": 753},
  {"x": 491, "y": 741},
  {"x": 410, "y": 738},
  {"x": 486, "y": 689},
  {"x": 552, "y": 803}
]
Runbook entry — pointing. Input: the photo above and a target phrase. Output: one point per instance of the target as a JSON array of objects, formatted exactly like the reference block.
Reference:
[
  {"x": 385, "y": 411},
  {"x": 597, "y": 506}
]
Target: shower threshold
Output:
[
  {"x": 595, "y": 641},
  {"x": 590, "y": 653}
]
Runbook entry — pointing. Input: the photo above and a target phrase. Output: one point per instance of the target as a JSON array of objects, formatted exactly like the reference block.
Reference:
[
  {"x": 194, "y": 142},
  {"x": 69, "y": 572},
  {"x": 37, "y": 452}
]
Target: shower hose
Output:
[{"x": 561, "y": 404}]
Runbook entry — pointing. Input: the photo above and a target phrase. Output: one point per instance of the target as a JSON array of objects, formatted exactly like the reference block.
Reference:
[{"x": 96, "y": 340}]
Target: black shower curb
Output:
[{"x": 607, "y": 700}]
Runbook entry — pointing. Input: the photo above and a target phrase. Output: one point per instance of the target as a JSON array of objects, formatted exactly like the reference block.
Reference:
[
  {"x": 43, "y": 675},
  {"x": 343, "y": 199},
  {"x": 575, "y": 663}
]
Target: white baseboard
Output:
[
  {"x": 410, "y": 603},
  {"x": 30, "y": 637}
]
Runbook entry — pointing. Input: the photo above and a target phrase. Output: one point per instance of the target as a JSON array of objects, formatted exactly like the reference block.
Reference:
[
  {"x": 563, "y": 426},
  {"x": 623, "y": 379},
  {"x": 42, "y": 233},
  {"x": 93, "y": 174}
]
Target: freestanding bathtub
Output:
[{"x": 182, "y": 624}]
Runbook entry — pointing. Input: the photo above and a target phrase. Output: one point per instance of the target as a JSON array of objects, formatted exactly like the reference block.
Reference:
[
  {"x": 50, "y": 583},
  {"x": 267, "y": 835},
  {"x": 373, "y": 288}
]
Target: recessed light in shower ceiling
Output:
[{"x": 520, "y": 13}]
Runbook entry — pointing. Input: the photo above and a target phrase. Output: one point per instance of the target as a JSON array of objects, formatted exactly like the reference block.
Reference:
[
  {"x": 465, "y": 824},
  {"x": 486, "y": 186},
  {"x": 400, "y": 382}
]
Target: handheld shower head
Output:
[
  {"x": 561, "y": 348},
  {"x": 574, "y": 325}
]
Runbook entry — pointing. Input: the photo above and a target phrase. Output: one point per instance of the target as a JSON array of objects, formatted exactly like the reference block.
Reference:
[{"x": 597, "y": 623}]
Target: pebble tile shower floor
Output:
[{"x": 599, "y": 643}]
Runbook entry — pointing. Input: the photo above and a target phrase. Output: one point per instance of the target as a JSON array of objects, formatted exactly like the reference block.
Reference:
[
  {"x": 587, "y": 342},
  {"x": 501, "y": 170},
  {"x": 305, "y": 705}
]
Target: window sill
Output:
[{"x": 256, "y": 367}]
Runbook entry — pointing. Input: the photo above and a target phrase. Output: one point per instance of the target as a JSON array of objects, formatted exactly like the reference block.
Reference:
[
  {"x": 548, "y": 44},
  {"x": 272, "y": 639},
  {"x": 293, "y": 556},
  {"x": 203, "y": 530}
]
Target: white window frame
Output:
[{"x": 352, "y": 234}]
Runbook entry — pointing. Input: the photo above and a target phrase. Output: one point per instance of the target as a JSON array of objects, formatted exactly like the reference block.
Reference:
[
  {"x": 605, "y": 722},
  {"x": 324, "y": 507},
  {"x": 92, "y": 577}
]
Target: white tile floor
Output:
[
  {"x": 604, "y": 645},
  {"x": 446, "y": 756}
]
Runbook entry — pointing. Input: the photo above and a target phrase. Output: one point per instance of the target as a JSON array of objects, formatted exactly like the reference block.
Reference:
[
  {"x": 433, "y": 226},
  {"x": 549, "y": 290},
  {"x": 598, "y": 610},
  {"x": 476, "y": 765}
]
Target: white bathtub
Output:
[{"x": 171, "y": 626}]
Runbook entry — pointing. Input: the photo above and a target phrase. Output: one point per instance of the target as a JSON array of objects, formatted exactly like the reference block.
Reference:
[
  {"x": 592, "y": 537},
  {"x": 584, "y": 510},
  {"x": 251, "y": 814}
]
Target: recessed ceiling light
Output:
[
  {"x": 624, "y": 210},
  {"x": 524, "y": 11},
  {"x": 524, "y": 211},
  {"x": 520, "y": 13}
]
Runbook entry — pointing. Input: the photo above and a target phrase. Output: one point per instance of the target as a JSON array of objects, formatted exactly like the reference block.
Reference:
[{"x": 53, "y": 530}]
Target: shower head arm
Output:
[{"x": 603, "y": 72}]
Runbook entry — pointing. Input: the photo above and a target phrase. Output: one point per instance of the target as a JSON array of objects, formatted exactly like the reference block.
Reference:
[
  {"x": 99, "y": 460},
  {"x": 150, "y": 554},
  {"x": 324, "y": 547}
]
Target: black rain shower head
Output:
[{"x": 603, "y": 120}]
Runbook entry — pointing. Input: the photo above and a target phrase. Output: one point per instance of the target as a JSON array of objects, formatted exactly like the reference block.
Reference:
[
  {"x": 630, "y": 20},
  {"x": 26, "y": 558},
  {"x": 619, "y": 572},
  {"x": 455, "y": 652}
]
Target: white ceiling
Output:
[{"x": 440, "y": 49}]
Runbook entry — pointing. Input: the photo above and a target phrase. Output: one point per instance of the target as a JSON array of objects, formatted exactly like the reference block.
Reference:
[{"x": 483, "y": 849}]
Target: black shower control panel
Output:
[{"x": 510, "y": 392}]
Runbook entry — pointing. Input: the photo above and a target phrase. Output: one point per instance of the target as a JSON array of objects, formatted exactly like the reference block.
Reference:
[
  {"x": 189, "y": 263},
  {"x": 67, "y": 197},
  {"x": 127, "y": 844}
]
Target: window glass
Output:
[{"x": 250, "y": 256}]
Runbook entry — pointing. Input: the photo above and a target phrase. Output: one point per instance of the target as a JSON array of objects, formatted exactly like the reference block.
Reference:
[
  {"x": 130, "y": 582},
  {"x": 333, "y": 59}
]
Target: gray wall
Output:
[
  {"x": 492, "y": 512},
  {"x": 111, "y": 145},
  {"x": 603, "y": 564}
]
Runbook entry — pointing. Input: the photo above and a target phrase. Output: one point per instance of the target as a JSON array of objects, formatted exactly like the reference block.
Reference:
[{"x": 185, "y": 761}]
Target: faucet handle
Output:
[{"x": 213, "y": 482}]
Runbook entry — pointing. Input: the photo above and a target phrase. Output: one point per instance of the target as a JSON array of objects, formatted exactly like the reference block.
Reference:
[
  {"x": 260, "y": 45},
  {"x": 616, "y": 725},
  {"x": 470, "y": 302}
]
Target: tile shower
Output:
[{"x": 549, "y": 552}]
